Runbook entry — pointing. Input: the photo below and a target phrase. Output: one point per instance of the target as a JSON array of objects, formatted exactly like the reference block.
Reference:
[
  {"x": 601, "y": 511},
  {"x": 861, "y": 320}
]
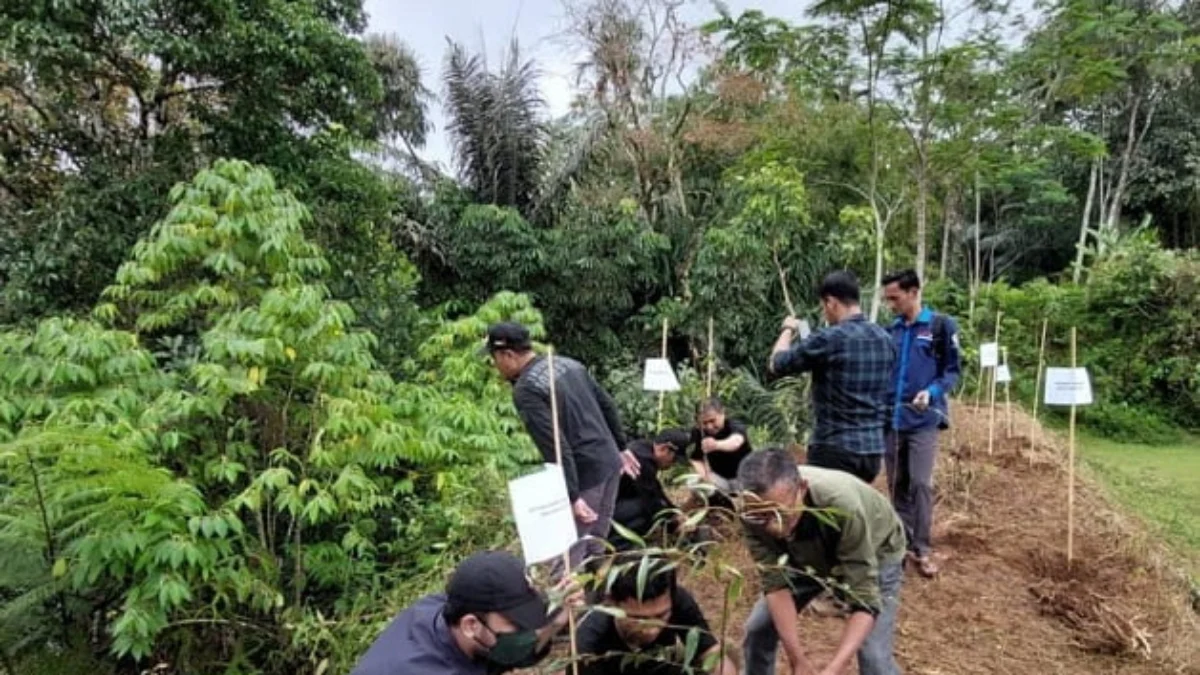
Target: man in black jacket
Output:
[
  {"x": 643, "y": 506},
  {"x": 590, "y": 432}
]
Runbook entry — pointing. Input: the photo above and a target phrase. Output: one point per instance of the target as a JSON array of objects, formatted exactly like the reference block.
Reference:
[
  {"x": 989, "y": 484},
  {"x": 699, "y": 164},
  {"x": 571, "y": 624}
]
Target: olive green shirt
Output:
[{"x": 848, "y": 530}]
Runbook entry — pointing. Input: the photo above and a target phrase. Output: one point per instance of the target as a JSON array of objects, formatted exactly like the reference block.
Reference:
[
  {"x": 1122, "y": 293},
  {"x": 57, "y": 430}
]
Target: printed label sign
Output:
[
  {"x": 989, "y": 355},
  {"x": 1068, "y": 386},
  {"x": 542, "y": 510},
  {"x": 659, "y": 376},
  {"x": 1002, "y": 374}
]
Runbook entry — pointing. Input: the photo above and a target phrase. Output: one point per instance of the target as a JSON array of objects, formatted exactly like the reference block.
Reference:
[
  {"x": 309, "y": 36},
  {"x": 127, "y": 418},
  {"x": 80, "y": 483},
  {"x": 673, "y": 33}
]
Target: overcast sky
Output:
[
  {"x": 425, "y": 24},
  {"x": 477, "y": 24}
]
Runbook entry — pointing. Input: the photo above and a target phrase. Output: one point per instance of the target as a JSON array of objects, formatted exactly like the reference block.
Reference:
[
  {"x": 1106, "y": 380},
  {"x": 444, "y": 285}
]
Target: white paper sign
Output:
[
  {"x": 989, "y": 355},
  {"x": 542, "y": 510},
  {"x": 1068, "y": 386},
  {"x": 805, "y": 330},
  {"x": 659, "y": 376},
  {"x": 1002, "y": 374}
]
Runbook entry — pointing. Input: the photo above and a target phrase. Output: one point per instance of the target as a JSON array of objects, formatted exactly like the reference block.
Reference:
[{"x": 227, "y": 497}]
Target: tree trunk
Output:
[
  {"x": 948, "y": 220},
  {"x": 977, "y": 272},
  {"x": 1117, "y": 195},
  {"x": 922, "y": 215},
  {"x": 1083, "y": 227},
  {"x": 880, "y": 230}
]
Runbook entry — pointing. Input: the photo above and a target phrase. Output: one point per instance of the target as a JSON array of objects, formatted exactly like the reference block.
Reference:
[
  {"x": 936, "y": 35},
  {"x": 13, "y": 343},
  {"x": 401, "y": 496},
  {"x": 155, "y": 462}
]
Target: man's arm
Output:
[
  {"x": 858, "y": 627},
  {"x": 951, "y": 369},
  {"x": 783, "y": 614},
  {"x": 860, "y": 574},
  {"x": 722, "y": 666},
  {"x": 535, "y": 412},
  {"x": 788, "y": 358},
  {"x": 778, "y": 592},
  {"x": 612, "y": 417},
  {"x": 731, "y": 444}
]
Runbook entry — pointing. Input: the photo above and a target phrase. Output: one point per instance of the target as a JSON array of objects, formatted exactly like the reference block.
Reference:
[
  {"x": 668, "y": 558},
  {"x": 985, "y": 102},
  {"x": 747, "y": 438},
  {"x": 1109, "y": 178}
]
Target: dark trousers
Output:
[
  {"x": 910, "y": 458},
  {"x": 866, "y": 467}
]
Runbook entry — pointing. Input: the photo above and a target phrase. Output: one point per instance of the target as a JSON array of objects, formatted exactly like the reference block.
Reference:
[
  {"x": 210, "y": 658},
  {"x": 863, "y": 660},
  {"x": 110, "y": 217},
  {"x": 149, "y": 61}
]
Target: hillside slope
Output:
[{"x": 1006, "y": 601}]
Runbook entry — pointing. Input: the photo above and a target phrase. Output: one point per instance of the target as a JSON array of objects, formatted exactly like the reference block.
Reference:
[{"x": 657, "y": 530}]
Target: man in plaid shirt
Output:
[{"x": 851, "y": 366}]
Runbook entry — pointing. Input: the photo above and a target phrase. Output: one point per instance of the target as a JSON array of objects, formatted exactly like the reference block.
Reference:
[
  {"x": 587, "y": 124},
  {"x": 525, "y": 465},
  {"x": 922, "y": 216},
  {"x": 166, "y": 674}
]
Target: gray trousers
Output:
[
  {"x": 602, "y": 499},
  {"x": 875, "y": 657},
  {"x": 910, "y": 458}
]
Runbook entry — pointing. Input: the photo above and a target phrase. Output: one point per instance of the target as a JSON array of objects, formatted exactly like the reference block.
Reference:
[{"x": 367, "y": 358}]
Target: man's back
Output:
[
  {"x": 589, "y": 423},
  {"x": 851, "y": 364},
  {"x": 417, "y": 642}
]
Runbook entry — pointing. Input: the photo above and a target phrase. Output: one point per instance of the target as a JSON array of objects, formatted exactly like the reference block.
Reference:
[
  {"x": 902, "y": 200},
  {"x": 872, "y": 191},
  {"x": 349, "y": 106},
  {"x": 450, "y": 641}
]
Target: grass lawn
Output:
[{"x": 1159, "y": 483}]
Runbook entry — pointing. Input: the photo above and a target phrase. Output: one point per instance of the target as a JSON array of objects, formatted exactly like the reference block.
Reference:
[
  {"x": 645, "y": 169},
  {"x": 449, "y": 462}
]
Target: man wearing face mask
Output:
[
  {"x": 490, "y": 620},
  {"x": 656, "y": 616},
  {"x": 851, "y": 366},
  {"x": 807, "y": 527}
]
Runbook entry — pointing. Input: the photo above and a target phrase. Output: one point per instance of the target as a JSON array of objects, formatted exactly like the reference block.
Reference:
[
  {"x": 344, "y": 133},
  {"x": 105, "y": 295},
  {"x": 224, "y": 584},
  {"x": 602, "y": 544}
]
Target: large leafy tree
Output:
[{"x": 109, "y": 103}]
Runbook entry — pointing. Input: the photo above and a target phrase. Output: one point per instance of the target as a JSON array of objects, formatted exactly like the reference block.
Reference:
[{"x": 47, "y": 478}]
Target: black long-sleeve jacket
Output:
[{"x": 589, "y": 424}]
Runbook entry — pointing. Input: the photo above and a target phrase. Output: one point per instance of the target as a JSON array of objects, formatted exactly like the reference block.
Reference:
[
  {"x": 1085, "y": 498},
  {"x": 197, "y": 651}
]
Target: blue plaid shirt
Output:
[{"x": 851, "y": 365}]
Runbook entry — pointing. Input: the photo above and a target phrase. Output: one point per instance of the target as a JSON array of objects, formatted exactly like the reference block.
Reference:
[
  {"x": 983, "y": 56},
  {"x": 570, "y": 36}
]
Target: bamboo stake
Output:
[
  {"x": 712, "y": 360},
  {"x": 992, "y": 404},
  {"x": 1037, "y": 390},
  {"x": 558, "y": 458},
  {"x": 1007, "y": 399},
  {"x": 1071, "y": 470},
  {"x": 662, "y": 395}
]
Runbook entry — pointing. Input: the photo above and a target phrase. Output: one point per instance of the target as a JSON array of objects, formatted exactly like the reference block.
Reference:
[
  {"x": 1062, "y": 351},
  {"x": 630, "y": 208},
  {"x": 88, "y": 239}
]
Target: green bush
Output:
[{"x": 257, "y": 495}]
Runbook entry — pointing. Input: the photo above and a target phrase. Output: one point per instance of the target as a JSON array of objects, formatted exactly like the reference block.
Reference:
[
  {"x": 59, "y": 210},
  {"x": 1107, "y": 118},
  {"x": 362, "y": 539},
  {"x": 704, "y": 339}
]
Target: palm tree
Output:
[{"x": 496, "y": 128}]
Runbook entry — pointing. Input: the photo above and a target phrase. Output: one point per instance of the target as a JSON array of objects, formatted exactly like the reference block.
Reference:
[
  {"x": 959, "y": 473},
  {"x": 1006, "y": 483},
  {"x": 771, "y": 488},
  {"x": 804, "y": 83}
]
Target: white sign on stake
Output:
[
  {"x": 1002, "y": 373},
  {"x": 805, "y": 329},
  {"x": 1068, "y": 386},
  {"x": 542, "y": 510},
  {"x": 659, "y": 376},
  {"x": 989, "y": 355}
]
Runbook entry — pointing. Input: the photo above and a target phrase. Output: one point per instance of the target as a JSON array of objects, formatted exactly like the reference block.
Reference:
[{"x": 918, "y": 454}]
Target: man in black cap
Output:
[
  {"x": 643, "y": 506},
  {"x": 591, "y": 437},
  {"x": 489, "y": 620}
]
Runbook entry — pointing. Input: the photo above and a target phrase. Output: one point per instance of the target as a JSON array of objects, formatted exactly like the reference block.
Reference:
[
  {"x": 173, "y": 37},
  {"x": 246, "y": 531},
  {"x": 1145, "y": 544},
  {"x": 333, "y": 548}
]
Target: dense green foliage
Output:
[
  {"x": 242, "y": 416},
  {"x": 220, "y": 460}
]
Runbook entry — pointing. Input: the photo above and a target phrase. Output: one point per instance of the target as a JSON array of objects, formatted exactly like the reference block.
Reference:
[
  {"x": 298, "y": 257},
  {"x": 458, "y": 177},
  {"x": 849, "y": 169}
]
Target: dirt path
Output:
[{"x": 1006, "y": 601}]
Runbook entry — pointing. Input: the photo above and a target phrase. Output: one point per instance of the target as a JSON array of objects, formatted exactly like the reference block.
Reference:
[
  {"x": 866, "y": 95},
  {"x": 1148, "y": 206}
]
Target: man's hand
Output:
[
  {"x": 804, "y": 668},
  {"x": 573, "y": 600},
  {"x": 583, "y": 512},
  {"x": 630, "y": 466},
  {"x": 792, "y": 324},
  {"x": 708, "y": 444},
  {"x": 921, "y": 402}
]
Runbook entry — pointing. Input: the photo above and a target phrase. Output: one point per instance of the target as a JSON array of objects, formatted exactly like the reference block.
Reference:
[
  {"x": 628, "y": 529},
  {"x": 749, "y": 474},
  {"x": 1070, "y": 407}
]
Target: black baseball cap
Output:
[
  {"x": 507, "y": 335},
  {"x": 677, "y": 440},
  {"x": 495, "y": 581}
]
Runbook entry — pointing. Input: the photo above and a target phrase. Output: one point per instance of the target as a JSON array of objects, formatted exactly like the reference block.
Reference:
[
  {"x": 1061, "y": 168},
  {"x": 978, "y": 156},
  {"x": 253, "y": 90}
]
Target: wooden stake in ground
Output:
[
  {"x": 1071, "y": 470},
  {"x": 992, "y": 404},
  {"x": 558, "y": 458},
  {"x": 1007, "y": 397},
  {"x": 712, "y": 361},
  {"x": 662, "y": 395},
  {"x": 1037, "y": 390}
]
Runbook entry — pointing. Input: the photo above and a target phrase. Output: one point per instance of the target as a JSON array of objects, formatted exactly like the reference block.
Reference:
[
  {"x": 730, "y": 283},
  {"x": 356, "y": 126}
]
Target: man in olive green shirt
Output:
[{"x": 810, "y": 528}]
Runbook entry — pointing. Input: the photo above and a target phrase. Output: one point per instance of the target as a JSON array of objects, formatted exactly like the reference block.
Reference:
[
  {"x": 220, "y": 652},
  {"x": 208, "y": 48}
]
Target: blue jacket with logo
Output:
[{"x": 918, "y": 368}]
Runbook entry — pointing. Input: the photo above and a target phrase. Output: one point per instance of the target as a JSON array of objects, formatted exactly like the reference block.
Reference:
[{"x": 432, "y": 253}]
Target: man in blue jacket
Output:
[{"x": 926, "y": 369}]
